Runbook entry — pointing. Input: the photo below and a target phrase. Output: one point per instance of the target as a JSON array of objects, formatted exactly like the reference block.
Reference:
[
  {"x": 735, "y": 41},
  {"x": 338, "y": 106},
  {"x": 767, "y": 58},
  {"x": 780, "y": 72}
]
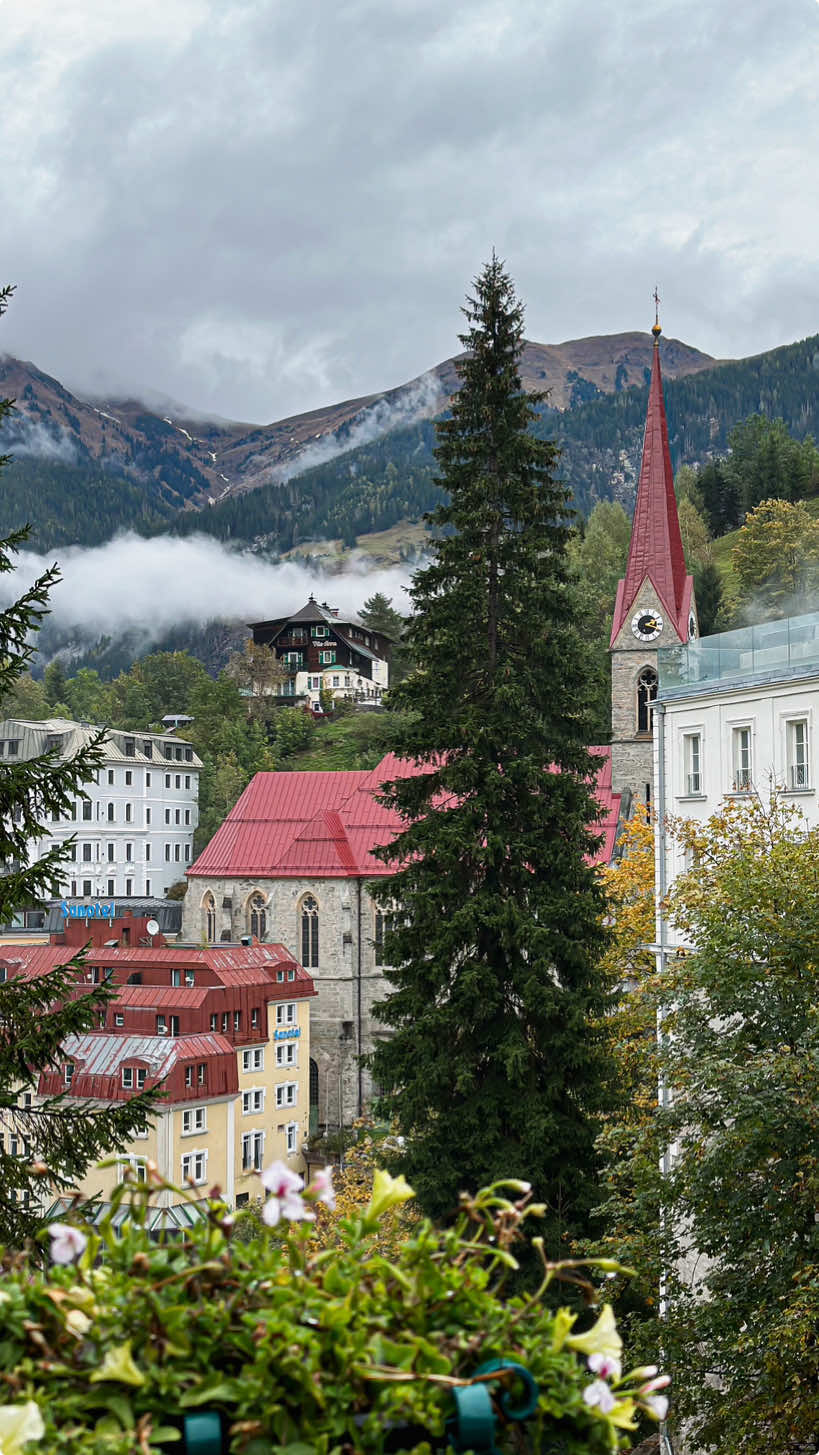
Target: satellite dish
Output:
[{"x": 152, "y": 927}]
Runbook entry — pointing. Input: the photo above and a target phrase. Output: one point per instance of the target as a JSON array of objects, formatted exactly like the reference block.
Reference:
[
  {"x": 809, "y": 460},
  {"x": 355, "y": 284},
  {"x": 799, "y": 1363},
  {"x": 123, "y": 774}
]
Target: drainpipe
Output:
[
  {"x": 666, "y": 1447},
  {"x": 358, "y": 1008}
]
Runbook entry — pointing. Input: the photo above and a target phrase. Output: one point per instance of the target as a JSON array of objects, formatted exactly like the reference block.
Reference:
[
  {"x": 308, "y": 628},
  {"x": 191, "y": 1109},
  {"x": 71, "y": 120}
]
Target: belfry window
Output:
[
  {"x": 646, "y": 693},
  {"x": 309, "y": 915}
]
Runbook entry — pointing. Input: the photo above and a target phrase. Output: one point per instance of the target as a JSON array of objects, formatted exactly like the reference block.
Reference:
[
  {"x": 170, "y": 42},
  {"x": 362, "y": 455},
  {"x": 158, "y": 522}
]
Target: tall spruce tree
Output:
[
  {"x": 495, "y": 1065},
  {"x": 36, "y": 1015}
]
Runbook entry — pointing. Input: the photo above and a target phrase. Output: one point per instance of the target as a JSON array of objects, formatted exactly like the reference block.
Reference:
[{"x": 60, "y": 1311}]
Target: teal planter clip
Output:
[
  {"x": 474, "y": 1423},
  {"x": 202, "y": 1433}
]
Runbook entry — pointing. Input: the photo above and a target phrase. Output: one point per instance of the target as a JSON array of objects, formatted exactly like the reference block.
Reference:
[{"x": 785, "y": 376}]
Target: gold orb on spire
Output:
[{"x": 656, "y": 329}]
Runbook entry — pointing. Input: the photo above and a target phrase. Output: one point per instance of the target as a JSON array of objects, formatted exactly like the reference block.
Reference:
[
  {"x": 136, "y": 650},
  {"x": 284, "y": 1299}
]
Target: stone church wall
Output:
[{"x": 348, "y": 982}]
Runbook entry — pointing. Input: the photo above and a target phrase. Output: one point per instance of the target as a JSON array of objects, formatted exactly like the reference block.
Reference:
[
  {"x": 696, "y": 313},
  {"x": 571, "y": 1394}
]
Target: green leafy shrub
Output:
[{"x": 298, "y": 1349}]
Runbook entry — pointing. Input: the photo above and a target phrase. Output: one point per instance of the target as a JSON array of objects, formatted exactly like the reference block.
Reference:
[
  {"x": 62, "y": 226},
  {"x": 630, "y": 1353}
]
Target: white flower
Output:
[
  {"x": 606, "y": 1365},
  {"x": 322, "y": 1188},
  {"x": 285, "y": 1199},
  {"x": 19, "y": 1423},
  {"x": 67, "y": 1242},
  {"x": 657, "y": 1405},
  {"x": 597, "y": 1395},
  {"x": 78, "y": 1322}
]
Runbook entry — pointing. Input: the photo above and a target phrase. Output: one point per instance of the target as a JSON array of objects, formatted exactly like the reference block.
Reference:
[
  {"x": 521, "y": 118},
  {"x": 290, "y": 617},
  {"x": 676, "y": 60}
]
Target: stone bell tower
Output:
[{"x": 655, "y": 602}]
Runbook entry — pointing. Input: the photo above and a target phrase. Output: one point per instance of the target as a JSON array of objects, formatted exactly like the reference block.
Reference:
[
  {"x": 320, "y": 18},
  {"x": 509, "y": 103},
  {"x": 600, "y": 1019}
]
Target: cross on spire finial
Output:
[{"x": 656, "y": 330}]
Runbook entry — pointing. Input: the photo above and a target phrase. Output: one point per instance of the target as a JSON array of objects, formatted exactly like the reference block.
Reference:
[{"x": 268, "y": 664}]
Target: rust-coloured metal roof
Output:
[
  {"x": 326, "y": 825},
  {"x": 656, "y": 548}
]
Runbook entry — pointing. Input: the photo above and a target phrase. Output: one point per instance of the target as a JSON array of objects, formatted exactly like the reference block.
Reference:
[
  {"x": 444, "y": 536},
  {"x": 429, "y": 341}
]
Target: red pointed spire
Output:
[{"x": 656, "y": 548}]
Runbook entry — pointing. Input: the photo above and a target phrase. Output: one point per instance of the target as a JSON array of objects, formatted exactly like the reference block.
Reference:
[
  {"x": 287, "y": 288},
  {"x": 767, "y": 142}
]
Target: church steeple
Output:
[
  {"x": 655, "y": 602},
  {"x": 656, "y": 549}
]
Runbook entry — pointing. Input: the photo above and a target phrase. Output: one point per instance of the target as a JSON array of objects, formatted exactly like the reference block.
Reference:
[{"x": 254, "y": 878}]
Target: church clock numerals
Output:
[{"x": 646, "y": 625}]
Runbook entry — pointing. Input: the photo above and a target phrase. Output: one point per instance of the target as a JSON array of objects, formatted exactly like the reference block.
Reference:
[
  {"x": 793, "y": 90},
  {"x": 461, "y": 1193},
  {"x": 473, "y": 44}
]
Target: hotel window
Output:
[
  {"x": 147, "y": 853},
  {"x": 176, "y": 853},
  {"x": 137, "y": 1166},
  {"x": 86, "y": 811},
  {"x": 68, "y": 1072},
  {"x": 187, "y": 853},
  {"x": 187, "y": 780},
  {"x": 111, "y": 888},
  {"x": 111, "y": 852},
  {"x": 147, "y": 888},
  {"x": 201, "y": 1073},
  {"x": 253, "y": 1060},
  {"x": 129, "y": 813},
  {"x": 129, "y": 888},
  {"x": 291, "y": 1136},
  {"x": 254, "y": 1016},
  {"x": 195, "y": 1167},
  {"x": 86, "y": 888},
  {"x": 147, "y": 818},
  {"x": 253, "y": 1101},
  {"x": 252, "y": 1151},
  {"x": 119, "y": 1018},
  {"x": 286, "y": 1014},
  {"x": 194, "y": 1120},
  {"x": 129, "y": 777},
  {"x": 168, "y": 854},
  {"x": 129, "y": 853},
  {"x": 287, "y": 1053},
  {"x": 167, "y": 815},
  {"x": 692, "y": 752},
  {"x": 86, "y": 853},
  {"x": 148, "y": 777},
  {"x": 148, "y": 752},
  {"x": 287, "y": 1093},
  {"x": 130, "y": 748},
  {"x": 110, "y": 775},
  {"x": 214, "y": 1021},
  {"x": 187, "y": 816},
  {"x": 225, "y": 1021},
  {"x": 798, "y": 760},
  {"x": 189, "y": 1076},
  {"x": 237, "y": 1020},
  {"x": 309, "y": 914},
  {"x": 167, "y": 780},
  {"x": 741, "y": 758}
]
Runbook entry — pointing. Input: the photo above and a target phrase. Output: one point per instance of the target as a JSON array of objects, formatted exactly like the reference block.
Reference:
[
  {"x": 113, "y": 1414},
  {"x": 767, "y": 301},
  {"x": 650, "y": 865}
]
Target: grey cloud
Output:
[
  {"x": 259, "y": 209},
  {"x": 150, "y": 587}
]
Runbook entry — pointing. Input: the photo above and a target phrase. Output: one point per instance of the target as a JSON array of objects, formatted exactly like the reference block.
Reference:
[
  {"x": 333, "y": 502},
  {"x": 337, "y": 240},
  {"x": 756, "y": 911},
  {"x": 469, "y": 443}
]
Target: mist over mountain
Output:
[{"x": 187, "y": 509}]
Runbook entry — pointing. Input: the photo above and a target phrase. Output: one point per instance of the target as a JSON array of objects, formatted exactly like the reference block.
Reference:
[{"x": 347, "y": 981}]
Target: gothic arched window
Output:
[
  {"x": 257, "y": 916},
  {"x": 309, "y": 918},
  {"x": 646, "y": 693},
  {"x": 209, "y": 918}
]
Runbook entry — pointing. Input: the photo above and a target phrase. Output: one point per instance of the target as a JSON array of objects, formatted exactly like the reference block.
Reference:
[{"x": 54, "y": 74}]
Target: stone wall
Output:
[{"x": 342, "y": 1023}]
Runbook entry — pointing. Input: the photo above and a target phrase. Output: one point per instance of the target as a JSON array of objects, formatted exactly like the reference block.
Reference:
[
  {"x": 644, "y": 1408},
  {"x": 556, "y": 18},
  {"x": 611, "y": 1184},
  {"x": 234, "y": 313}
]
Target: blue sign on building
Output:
[{"x": 87, "y": 911}]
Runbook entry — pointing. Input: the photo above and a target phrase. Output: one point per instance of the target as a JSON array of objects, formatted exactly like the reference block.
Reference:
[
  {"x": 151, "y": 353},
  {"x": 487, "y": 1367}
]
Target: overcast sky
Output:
[{"x": 260, "y": 206}]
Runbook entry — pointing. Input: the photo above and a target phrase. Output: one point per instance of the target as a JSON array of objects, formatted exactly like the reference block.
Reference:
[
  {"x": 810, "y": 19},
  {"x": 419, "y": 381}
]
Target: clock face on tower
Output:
[{"x": 647, "y": 625}]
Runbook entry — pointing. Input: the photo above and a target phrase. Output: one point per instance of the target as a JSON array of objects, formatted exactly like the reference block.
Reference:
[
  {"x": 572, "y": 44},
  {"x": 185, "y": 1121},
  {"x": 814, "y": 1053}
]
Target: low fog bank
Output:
[{"x": 146, "y": 587}]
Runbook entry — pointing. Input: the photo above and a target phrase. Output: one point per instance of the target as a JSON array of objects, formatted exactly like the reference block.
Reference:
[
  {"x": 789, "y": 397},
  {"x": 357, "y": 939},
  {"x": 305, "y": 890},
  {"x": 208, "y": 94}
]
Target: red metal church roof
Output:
[
  {"x": 656, "y": 549},
  {"x": 325, "y": 825}
]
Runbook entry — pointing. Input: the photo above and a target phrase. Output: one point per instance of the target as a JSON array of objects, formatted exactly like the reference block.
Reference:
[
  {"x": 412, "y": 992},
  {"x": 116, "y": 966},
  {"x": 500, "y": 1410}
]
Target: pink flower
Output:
[
  {"x": 67, "y": 1242},
  {"x": 322, "y": 1188},
  {"x": 285, "y": 1200},
  {"x": 605, "y": 1365},
  {"x": 657, "y": 1405},
  {"x": 661, "y": 1382},
  {"x": 597, "y": 1395}
]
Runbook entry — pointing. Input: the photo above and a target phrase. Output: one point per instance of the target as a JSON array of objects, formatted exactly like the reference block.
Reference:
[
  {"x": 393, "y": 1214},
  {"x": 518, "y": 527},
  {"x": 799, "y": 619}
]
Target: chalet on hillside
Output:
[{"x": 323, "y": 653}]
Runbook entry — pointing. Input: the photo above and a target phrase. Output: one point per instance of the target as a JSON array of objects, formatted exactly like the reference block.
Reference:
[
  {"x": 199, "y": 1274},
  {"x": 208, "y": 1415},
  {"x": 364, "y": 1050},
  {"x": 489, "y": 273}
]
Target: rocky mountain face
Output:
[{"x": 185, "y": 463}]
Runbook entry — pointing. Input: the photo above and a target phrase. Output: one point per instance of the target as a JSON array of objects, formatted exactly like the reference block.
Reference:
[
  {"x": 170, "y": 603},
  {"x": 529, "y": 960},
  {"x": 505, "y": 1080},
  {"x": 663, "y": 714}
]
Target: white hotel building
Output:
[
  {"x": 736, "y": 713},
  {"x": 134, "y": 832}
]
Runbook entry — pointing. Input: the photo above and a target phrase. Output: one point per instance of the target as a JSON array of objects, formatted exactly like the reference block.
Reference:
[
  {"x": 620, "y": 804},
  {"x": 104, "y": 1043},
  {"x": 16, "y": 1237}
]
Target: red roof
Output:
[
  {"x": 656, "y": 548},
  {"x": 232, "y": 965},
  {"x": 325, "y": 825}
]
